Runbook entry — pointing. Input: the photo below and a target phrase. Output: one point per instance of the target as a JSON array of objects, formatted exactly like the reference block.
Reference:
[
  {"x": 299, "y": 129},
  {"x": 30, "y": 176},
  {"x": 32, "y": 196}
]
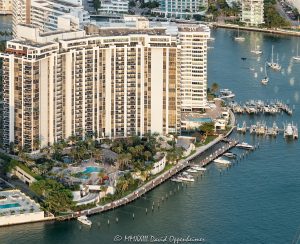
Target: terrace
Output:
[{"x": 16, "y": 207}]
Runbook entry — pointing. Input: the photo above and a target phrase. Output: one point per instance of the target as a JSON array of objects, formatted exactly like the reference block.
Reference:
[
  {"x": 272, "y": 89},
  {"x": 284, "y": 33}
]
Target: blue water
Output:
[
  {"x": 255, "y": 201},
  {"x": 91, "y": 169},
  {"x": 9, "y": 205},
  {"x": 204, "y": 120}
]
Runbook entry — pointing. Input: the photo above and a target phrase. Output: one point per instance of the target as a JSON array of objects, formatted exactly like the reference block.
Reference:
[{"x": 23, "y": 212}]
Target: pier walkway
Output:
[{"x": 181, "y": 165}]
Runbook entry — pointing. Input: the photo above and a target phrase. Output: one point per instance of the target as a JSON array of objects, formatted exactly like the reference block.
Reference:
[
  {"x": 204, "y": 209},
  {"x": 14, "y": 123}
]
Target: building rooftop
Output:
[
  {"x": 14, "y": 201},
  {"x": 122, "y": 31}
]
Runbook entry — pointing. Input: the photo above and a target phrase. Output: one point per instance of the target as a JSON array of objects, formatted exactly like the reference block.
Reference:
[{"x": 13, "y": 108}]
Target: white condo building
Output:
[
  {"x": 180, "y": 8},
  {"x": 114, "y": 6},
  {"x": 49, "y": 15},
  {"x": 113, "y": 83},
  {"x": 5, "y": 6},
  {"x": 253, "y": 12},
  {"x": 193, "y": 63}
]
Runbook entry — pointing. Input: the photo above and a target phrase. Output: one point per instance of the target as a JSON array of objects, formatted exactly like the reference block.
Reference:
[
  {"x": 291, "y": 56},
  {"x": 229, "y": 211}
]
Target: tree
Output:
[
  {"x": 208, "y": 128},
  {"x": 97, "y": 5},
  {"x": 214, "y": 87},
  {"x": 57, "y": 198},
  {"x": 123, "y": 160},
  {"x": 131, "y": 4},
  {"x": 147, "y": 155}
]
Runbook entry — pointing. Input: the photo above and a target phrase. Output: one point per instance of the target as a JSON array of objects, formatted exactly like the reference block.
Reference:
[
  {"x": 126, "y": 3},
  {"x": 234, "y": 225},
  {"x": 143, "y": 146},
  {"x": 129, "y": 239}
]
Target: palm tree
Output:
[
  {"x": 214, "y": 87},
  {"x": 98, "y": 154},
  {"x": 147, "y": 155}
]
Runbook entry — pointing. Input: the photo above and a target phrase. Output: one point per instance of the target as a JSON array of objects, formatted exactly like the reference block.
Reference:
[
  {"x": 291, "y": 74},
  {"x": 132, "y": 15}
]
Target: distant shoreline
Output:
[{"x": 264, "y": 30}]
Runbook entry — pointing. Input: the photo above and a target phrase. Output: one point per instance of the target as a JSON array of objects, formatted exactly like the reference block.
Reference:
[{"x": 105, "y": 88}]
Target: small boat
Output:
[
  {"x": 175, "y": 179},
  {"x": 226, "y": 93},
  {"x": 230, "y": 155},
  {"x": 297, "y": 57},
  {"x": 84, "y": 220},
  {"x": 238, "y": 37},
  {"x": 185, "y": 177},
  {"x": 290, "y": 131},
  {"x": 265, "y": 80},
  {"x": 211, "y": 39},
  {"x": 274, "y": 65},
  {"x": 242, "y": 129},
  {"x": 190, "y": 170},
  {"x": 222, "y": 161},
  {"x": 198, "y": 168},
  {"x": 245, "y": 145},
  {"x": 243, "y": 58},
  {"x": 256, "y": 50}
]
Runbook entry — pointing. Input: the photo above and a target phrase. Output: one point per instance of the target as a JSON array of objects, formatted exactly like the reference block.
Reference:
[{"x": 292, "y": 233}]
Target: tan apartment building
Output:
[
  {"x": 112, "y": 83},
  {"x": 5, "y": 7}
]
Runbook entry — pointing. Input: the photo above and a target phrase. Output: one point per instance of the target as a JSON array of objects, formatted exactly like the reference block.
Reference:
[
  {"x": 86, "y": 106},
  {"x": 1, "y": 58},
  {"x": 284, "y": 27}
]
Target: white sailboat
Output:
[
  {"x": 256, "y": 50},
  {"x": 297, "y": 58},
  {"x": 274, "y": 65},
  {"x": 238, "y": 37},
  {"x": 266, "y": 79}
]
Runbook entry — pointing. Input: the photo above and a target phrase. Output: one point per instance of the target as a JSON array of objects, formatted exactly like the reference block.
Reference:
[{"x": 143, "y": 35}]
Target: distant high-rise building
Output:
[
  {"x": 114, "y": 6},
  {"x": 180, "y": 8},
  {"x": 5, "y": 6},
  {"x": 114, "y": 83},
  {"x": 252, "y": 12},
  {"x": 49, "y": 15}
]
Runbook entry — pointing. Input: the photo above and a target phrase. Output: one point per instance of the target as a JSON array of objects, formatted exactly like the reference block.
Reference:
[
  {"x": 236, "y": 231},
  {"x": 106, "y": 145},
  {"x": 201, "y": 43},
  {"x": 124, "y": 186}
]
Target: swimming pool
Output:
[
  {"x": 10, "y": 205},
  {"x": 202, "y": 120},
  {"x": 91, "y": 169}
]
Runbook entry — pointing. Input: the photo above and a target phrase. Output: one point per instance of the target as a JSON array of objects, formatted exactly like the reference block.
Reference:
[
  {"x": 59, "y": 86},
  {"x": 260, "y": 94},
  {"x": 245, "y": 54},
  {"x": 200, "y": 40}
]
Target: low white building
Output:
[
  {"x": 23, "y": 175},
  {"x": 159, "y": 165},
  {"x": 114, "y": 6},
  {"x": 252, "y": 12}
]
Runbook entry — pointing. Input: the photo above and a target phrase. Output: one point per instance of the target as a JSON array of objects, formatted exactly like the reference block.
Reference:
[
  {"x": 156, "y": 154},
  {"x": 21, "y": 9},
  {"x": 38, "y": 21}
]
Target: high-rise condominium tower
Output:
[
  {"x": 114, "y": 83},
  {"x": 49, "y": 15}
]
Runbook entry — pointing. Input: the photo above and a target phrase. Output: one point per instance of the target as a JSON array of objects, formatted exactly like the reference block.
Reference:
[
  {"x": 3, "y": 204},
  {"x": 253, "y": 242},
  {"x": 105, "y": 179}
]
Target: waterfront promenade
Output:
[{"x": 181, "y": 165}]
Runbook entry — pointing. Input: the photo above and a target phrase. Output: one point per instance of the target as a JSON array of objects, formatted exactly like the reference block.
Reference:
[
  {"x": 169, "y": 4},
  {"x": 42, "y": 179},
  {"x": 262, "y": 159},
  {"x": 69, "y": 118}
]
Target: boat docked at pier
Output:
[
  {"x": 290, "y": 131},
  {"x": 84, "y": 220},
  {"x": 221, "y": 160},
  {"x": 229, "y": 155},
  {"x": 198, "y": 168},
  {"x": 245, "y": 145},
  {"x": 185, "y": 177},
  {"x": 226, "y": 93},
  {"x": 273, "y": 131},
  {"x": 242, "y": 129},
  {"x": 190, "y": 170}
]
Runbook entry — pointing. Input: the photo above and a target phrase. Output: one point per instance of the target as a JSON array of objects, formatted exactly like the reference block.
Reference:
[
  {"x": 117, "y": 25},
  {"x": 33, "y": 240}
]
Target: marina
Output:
[{"x": 261, "y": 107}]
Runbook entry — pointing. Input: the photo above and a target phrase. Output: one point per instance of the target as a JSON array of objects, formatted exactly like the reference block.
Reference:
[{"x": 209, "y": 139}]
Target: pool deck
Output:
[{"x": 17, "y": 208}]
